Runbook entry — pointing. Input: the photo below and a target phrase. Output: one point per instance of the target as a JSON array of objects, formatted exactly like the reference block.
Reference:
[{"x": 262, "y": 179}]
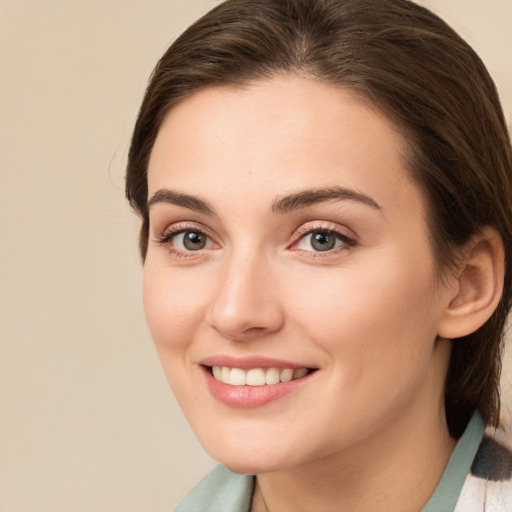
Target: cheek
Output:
[
  {"x": 377, "y": 332},
  {"x": 173, "y": 314},
  {"x": 173, "y": 306},
  {"x": 376, "y": 315}
]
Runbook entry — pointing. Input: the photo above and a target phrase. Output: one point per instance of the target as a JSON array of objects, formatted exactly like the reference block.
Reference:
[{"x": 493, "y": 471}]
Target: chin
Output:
[
  {"x": 243, "y": 466},
  {"x": 247, "y": 457}
]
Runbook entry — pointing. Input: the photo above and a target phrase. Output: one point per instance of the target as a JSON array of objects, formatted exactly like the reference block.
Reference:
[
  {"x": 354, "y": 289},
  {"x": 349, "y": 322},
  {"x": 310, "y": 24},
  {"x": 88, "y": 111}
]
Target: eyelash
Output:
[
  {"x": 172, "y": 232},
  {"x": 308, "y": 229}
]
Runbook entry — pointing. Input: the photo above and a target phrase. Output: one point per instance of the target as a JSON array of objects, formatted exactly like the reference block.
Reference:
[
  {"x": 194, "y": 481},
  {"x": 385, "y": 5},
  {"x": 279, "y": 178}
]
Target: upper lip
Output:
[{"x": 246, "y": 363}]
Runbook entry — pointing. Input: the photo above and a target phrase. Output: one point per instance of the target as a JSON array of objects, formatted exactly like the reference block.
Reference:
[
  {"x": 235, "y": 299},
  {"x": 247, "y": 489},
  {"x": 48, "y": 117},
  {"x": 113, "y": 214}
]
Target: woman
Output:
[{"x": 325, "y": 193}]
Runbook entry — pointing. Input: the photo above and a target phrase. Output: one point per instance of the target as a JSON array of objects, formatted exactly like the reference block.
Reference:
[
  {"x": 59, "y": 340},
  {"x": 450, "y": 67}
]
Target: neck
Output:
[
  {"x": 401, "y": 478},
  {"x": 396, "y": 469}
]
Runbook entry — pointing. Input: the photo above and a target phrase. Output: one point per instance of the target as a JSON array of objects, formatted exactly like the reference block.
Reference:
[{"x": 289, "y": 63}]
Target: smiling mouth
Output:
[{"x": 256, "y": 376}]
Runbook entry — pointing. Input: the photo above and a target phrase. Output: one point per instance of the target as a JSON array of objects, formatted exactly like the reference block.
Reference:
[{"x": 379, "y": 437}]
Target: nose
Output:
[{"x": 246, "y": 302}]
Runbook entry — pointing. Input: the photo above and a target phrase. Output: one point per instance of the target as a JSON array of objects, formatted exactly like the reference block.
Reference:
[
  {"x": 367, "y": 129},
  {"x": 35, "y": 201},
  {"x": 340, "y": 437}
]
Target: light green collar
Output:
[
  {"x": 224, "y": 491},
  {"x": 448, "y": 490}
]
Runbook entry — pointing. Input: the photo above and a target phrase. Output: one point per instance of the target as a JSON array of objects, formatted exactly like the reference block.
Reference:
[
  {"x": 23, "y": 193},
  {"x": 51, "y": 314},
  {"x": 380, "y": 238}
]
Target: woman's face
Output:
[{"x": 287, "y": 241}]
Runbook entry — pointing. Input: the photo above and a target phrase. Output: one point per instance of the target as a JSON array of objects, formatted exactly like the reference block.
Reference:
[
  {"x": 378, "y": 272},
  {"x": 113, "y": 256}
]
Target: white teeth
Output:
[
  {"x": 225, "y": 372},
  {"x": 286, "y": 375},
  {"x": 272, "y": 376},
  {"x": 217, "y": 372},
  {"x": 301, "y": 372},
  {"x": 237, "y": 377},
  {"x": 256, "y": 376}
]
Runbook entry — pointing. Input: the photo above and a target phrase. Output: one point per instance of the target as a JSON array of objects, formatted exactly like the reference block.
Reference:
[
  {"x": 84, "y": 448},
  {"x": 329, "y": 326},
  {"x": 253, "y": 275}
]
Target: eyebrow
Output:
[
  {"x": 165, "y": 195},
  {"x": 310, "y": 197},
  {"x": 280, "y": 205}
]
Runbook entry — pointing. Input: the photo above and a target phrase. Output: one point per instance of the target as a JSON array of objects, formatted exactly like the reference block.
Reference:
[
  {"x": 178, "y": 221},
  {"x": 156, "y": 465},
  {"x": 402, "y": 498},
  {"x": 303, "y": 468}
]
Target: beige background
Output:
[{"x": 87, "y": 422}]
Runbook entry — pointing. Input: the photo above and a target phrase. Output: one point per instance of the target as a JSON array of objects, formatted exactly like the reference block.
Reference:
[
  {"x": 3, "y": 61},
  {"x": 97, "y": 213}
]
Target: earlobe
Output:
[{"x": 478, "y": 287}]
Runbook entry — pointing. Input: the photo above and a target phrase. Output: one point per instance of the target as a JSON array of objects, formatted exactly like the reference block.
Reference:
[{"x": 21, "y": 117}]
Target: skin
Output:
[{"x": 367, "y": 430}]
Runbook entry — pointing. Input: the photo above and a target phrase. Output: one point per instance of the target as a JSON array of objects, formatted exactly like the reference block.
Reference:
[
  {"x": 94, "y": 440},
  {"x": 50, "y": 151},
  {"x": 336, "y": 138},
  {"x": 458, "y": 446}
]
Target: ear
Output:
[{"x": 478, "y": 286}]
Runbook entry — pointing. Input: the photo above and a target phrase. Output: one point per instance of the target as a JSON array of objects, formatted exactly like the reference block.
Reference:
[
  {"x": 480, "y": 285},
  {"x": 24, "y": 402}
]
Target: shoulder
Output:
[
  {"x": 488, "y": 485},
  {"x": 219, "y": 491}
]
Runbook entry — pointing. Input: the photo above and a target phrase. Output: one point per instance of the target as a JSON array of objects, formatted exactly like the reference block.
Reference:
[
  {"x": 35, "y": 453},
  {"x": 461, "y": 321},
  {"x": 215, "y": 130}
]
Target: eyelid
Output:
[
  {"x": 165, "y": 236},
  {"x": 345, "y": 234},
  {"x": 177, "y": 227},
  {"x": 312, "y": 226}
]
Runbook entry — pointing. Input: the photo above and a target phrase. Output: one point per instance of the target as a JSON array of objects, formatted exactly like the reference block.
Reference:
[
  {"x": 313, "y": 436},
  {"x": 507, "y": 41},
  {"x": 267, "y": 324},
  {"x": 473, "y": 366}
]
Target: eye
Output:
[
  {"x": 182, "y": 240},
  {"x": 190, "y": 240},
  {"x": 321, "y": 240}
]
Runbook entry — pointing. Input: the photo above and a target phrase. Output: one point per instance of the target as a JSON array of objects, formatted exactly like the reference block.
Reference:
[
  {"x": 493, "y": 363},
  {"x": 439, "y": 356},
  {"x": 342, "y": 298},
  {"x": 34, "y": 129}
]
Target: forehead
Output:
[{"x": 278, "y": 136}]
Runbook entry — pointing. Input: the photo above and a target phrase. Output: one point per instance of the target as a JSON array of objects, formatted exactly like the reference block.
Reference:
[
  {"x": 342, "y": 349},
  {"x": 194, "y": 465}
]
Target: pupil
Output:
[
  {"x": 194, "y": 241},
  {"x": 322, "y": 241}
]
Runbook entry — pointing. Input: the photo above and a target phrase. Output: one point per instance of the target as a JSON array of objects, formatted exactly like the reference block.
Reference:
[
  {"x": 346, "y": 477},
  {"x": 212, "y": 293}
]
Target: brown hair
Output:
[{"x": 416, "y": 69}]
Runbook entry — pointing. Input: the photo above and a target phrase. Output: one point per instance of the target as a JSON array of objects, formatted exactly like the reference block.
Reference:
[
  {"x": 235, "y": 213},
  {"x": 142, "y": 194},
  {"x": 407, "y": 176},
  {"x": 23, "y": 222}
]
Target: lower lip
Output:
[{"x": 251, "y": 396}]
